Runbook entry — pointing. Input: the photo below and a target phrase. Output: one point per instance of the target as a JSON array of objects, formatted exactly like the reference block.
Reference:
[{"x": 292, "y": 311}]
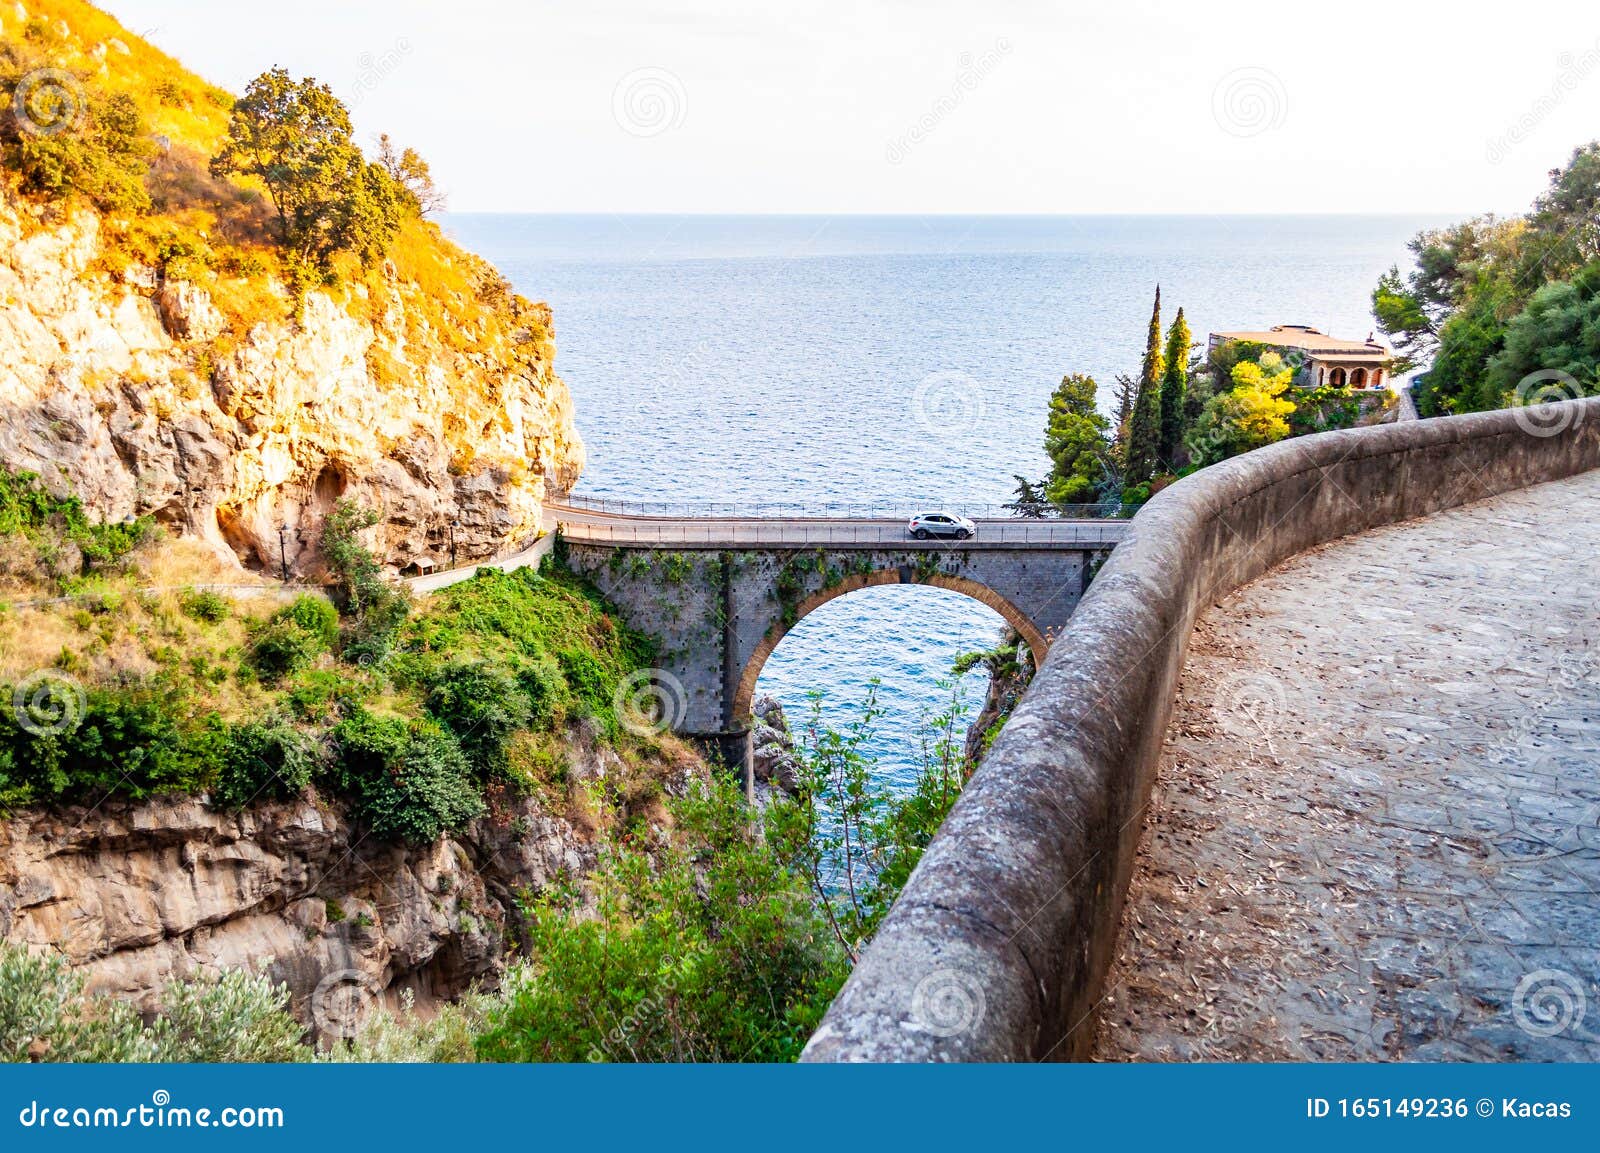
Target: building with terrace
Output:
[{"x": 1321, "y": 359}]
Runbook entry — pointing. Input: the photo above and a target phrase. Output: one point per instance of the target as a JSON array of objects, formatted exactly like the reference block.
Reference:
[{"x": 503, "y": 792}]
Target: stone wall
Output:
[{"x": 999, "y": 944}]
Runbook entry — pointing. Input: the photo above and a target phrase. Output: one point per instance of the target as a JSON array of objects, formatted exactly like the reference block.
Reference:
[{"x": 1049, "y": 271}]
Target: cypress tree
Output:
[
  {"x": 1144, "y": 427},
  {"x": 1173, "y": 384}
]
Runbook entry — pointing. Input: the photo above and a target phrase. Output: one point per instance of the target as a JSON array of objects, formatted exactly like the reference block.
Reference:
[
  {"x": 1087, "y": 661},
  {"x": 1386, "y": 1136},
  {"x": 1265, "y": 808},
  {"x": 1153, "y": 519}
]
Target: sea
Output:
[{"x": 831, "y": 361}]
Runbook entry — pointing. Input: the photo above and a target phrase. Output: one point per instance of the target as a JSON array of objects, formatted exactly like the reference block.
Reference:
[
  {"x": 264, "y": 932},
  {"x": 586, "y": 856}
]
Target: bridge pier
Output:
[{"x": 735, "y": 750}]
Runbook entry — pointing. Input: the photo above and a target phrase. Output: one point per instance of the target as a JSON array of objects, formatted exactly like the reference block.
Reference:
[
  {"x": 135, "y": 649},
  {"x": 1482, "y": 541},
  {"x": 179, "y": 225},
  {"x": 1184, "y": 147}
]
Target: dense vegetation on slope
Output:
[
  {"x": 1505, "y": 311},
  {"x": 417, "y": 718}
]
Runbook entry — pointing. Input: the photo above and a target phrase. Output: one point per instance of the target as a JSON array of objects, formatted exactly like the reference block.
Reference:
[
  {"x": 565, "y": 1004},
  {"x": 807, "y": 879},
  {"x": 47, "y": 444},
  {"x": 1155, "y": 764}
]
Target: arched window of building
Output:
[
  {"x": 1358, "y": 378},
  {"x": 1337, "y": 378}
]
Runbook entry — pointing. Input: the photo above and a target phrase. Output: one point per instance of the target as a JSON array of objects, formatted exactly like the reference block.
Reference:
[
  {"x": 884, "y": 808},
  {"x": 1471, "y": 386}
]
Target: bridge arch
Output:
[{"x": 744, "y": 696}]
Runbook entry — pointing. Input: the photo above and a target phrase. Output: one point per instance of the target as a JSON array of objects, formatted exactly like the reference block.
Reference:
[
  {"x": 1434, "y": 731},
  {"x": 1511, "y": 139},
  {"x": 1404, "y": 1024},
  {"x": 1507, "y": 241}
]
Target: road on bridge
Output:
[{"x": 833, "y": 532}]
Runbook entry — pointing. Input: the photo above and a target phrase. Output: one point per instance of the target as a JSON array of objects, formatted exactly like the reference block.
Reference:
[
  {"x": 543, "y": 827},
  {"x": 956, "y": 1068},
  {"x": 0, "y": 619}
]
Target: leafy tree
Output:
[
  {"x": 295, "y": 137},
  {"x": 1559, "y": 330},
  {"x": 412, "y": 176},
  {"x": 1564, "y": 227},
  {"x": 1251, "y": 414},
  {"x": 1174, "y": 380},
  {"x": 1451, "y": 263},
  {"x": 1144, "y": 424},
  {"x": 1075, "y": 439},
  {"x": 1455, "y": 382},
  {"x": 1028, "y": 499}
]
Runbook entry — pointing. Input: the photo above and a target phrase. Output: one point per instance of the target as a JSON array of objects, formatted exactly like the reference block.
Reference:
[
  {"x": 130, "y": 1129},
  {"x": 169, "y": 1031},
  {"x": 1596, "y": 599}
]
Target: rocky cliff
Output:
[
  {"x": 139, "y": 894},
  {"x": 134, "y": 389}
]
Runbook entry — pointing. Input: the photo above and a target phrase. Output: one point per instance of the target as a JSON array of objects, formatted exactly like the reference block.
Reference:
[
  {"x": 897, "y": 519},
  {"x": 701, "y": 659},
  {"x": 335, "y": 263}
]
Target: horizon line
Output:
[{"x": 817, "y": 214}]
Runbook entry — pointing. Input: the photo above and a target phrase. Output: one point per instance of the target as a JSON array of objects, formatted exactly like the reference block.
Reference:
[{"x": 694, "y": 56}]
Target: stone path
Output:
[{"x": 1374, "y": 832}]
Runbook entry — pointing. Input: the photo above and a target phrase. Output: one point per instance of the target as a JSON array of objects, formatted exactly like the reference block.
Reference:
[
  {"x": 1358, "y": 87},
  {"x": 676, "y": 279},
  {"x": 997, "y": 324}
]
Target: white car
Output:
[{"x": 927, "y": 524}]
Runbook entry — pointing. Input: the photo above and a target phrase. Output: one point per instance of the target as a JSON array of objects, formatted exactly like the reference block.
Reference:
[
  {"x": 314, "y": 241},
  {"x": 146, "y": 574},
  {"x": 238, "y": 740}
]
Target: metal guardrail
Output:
[
  {"x": 756, "y": 533},
  {"x": 823, "y": 510}
]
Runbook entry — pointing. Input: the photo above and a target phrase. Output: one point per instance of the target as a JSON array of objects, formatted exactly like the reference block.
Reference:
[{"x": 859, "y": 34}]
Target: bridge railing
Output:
[
  {"x": 754, "y": 533},
  {"x": 818, "y": 510}
]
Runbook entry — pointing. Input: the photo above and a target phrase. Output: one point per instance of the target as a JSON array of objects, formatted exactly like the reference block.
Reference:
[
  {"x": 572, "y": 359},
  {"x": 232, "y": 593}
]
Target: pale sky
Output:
[{"x": 999, "y": 106}]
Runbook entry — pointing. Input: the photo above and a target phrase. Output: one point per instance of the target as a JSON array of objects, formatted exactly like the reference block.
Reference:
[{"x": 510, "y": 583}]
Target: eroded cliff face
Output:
[
  {"x": 137, "y": 392},
  {"x": 139, "y": 894}
]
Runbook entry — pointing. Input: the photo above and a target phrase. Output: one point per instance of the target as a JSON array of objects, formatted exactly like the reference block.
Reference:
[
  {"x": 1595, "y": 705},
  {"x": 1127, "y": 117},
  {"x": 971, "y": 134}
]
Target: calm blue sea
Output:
[{"x": 858, "y": 359}]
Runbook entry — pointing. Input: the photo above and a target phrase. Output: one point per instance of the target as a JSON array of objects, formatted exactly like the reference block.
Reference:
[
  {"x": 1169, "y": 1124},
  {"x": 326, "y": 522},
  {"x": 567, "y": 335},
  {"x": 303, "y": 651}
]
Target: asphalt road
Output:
[{"x": 801, "y": 532}]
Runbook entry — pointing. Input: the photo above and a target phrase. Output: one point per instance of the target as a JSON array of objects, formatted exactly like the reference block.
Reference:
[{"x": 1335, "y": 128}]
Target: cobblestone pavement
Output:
[{"x": 1374, "y": 831}]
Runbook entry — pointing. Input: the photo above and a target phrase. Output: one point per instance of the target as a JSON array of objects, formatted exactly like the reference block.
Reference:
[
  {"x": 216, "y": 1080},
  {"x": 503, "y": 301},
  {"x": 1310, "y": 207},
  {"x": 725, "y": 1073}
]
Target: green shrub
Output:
[
  {"x": 45, "y": 1015},
  {"x": 50, "y": 522},
  {"x": 205, "y": 605},
  {"x": 586, "y": 678},
  {"x": 134, "y": 741},
  {"x": 293, "y": 637},
  {"x": 710, "y": 951},
  {"x": 282, "y": 647},
  {"x": 406, "y": 1037},
  {"x": 263, "y": 762},
  {"x": 482, "y": 704},
  {"x": 409, "y": 781},
  {"x": 550, "y": 620},
  {"x": 314, "y": 615},
  {"x": 324, "y": 694},
  {"x": 96, "y": 146},
  {"x": 371, "y": 637}
]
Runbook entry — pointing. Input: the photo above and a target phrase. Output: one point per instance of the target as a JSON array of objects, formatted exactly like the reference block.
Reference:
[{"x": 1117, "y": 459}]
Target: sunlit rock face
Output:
[{"x": 139, "y": 394}]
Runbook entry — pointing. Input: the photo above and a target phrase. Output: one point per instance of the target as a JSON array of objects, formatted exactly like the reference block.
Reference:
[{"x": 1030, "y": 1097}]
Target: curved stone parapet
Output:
[{"x": 998, "y": 946}]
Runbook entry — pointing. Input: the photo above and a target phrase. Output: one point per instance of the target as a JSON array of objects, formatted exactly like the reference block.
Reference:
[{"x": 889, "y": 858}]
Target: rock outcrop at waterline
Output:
[{"x": 131, "y": 389}]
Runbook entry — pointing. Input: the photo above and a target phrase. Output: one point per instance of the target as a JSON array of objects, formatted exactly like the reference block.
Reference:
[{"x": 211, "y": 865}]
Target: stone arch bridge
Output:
[{"x": 721, "y": 591}]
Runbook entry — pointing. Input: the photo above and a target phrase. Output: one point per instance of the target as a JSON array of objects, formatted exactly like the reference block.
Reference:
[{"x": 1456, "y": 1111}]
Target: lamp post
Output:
[
  {"x": 454, "y": 524},
  {"x": 283, "y": 553}
]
